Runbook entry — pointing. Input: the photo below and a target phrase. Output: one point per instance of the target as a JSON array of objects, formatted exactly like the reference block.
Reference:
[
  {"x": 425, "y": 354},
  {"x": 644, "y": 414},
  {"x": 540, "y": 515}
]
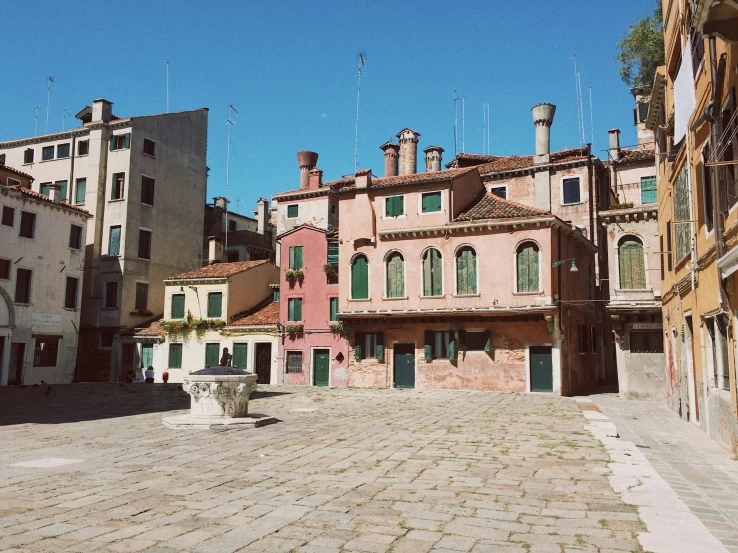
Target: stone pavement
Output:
[
  {"x": 704, "y": 476},
  {"x": 343, "y": 470}
]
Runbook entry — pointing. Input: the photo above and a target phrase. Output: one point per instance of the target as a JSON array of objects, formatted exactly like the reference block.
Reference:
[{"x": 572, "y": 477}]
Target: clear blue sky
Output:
[{"x": 290, "y": 70}]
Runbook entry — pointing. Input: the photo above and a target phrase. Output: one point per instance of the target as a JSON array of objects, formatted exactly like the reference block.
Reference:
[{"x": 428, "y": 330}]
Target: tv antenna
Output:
[
  {"x": 35, "y": 126},
  {"x": 580, "y": 113},
  {"x": 456, "y": 121},
  {"x": 63, "y": 116},
  {"x": 169, "y": 66},
  {"x": 463, "y": 123},
  {"x": 485, "y": 127},
  {"x": 228, "y": 171},
  {"x": 49, "y": 80},
  {"x": 591, "y": 117},
  {"x": 360, "y": 62}
]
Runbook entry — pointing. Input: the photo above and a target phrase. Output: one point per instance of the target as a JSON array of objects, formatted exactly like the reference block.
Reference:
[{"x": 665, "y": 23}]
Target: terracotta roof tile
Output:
[
  {"x": 637, "y": 156},
  {"x": 495, "y": 164},
  {"x": 219, "y": 270},
  {"x": 10, "y": 169},
  {"x": 415, "y": 178},
  {"x": 494, "y": 207},
  {"x": 42, "y": 197},
  {"x": 260, "y": 316},
  {"x": 154, "y": 329}
]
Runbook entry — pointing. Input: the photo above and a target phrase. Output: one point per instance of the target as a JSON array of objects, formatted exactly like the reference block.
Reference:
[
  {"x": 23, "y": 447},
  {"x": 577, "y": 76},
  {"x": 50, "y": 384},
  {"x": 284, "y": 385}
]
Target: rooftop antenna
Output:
[
  {"x": 63, "y": 117},
  {"x": 360, "y": 62},
  {"x": 591, "y": 117},
  {"x": 169, "y": 66},
  {"x": 49, "y": 80},
  {"x": 578, "y": 89},
  {"x": 228, "y": 172},
  {"x": 35, "y": 126},
  {"x": 456, "y": 122},
  {"x": 485, "y": 128},
  {"x": 463, "y": 123}
]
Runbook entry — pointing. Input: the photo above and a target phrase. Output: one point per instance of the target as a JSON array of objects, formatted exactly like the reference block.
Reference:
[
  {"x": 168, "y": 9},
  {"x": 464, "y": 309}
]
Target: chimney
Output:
[
  {"x": 306, "y": 160},
  {"x": 315, "y": 178},
  {"x": 408, "y": 151},
  {"x": 221, "y": 202},
  {"x": 543, "y": 115},
  {"x": 262, "y": 216},
  {"x": 433, "y": 158},
  {"x": 363, "y": 178},
  {"x": 55, "y": 193},
  {"x": 102, "y": 110},
  {"x": 391, "y": 157},
  {"x": 614, "y": 144},
  {"x": 215, "y": 250}
]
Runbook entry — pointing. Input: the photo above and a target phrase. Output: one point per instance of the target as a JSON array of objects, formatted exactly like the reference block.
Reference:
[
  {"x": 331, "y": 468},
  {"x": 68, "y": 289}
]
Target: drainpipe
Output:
[
  {"x": 71, "y": 172},
  {"x": 591, "y": 193}
]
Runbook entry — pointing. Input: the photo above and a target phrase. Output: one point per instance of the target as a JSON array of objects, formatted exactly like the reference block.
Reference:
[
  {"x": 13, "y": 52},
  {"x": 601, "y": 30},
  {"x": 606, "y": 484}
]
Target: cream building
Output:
[
  {"x": 42, "y": 259},
  {"x": 144, "y": 181}
]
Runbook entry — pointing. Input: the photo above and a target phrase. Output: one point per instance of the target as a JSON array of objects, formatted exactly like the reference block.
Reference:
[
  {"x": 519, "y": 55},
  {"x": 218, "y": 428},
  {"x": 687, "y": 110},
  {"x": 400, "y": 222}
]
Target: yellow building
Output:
[{"x": 692, "y": 112}]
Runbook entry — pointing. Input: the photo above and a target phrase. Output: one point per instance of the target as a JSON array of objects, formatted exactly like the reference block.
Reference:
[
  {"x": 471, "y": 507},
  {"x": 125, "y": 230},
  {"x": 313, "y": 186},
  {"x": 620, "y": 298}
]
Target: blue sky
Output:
[{"x": 290, "y": 70}]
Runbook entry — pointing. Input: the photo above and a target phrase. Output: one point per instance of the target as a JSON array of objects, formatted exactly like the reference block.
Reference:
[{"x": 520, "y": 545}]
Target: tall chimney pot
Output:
[
  {"x": 614, "y": 144},
  {"x": 391, "y": 158},
  {"x": 215, "y": 250},
  {"x": 102, "y": 110},
  {"x": 262, "y": 216},
  {"x": 408, "y": 151},
  {"x": 306, "y": 160},
  {"x": 433, "y": 158},
  {"x": 543, "y": 115}
]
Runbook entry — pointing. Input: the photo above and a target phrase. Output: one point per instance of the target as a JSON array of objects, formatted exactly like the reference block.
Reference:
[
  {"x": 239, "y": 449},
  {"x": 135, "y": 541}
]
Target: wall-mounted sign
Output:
[
  {"x": 645, "y": 326},
  {"x": 48, "y": 319}
]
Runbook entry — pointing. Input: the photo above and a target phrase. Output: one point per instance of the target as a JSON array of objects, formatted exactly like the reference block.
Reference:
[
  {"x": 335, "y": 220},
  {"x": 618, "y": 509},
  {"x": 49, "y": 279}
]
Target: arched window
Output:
[
  {"x": 632, "y": 265},
  {"x": 432, "y": 273},
  {"x": 466, "y": 271},
  {"x": 360, "y": 278},
  {"x": 527, "y": 267},
  {"x": 395, "y": 275}
]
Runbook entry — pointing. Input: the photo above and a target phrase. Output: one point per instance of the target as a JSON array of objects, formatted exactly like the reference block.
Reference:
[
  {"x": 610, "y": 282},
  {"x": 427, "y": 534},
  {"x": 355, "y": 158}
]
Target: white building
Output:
[
  {"x": 42, "y": 259},
  {"x": 144, "y": 181}
]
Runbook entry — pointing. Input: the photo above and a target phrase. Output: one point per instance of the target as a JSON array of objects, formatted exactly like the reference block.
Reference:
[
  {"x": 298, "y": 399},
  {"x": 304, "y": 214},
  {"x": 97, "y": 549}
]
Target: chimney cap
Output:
[
  {"x": 306, "y": 158},
  {"x": 389, "y": 145},
  {"x": 433, "y": 149},
  {"x": 362, "y": 172},
  {"x": 614, "y": 130},
  {"x": 407, "y": 130},
  {"x": 543, "y": 113},
  {"x": 102, "y": 100}
]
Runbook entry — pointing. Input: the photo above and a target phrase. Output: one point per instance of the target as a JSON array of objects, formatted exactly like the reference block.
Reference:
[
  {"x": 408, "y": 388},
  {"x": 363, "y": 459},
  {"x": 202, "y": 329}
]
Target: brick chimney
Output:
[
  {"x": 614, "y": 144},
  {"x": 408, "y": 151},
  {"x": 391, "y": 158},
  {"x": 543, "y": 115},
  {"x": 102, "y": 110},
  {"x": 315, "y": 178},
  {"x": 363, "y": 178},
  {"x": 433, "y": 158},
  {"x": 262, "y": 216},
  {"x": 215, "y": 250},
  {"x": 306, "y": 160},
  {"x": 55, "y": 193}
]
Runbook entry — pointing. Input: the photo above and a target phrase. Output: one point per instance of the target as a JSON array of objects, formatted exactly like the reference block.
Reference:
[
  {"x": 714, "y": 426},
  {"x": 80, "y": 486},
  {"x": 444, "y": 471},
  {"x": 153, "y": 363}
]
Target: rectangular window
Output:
[
  {"x": 149, "y": 147},
  {"x": 70, "y": 296},
  {"x": 178, "y": 306},
  {"x": 583, "y": 339},
  {"x": 437, "y": 344},
  {"x": 120, "y": 141},
  {"x": 142, "y": 297},
  {"x": 334, "y": 309},
  {"x": 83, "y": 147},
  {"x": 27, "y": 225},
  {"x": 8, "y": 216},
  {"x": 211, "y": 355},
  {"x": 116, "y": 189},
  {"x": 232, "y": 225},
  {"x": 4, "y": 269},
  {"x": 646, "y": 342},
  {"x": 45, "y": 351},
  {"x": 106, "y": 341},
  {"x": 682, "y": 215},
  {"x": 294, "y": 361},
  {"x": 296, "y": 257},
  {"x": 292, "y": 211},
  {"x": 431, "y": 202},
  {"x": 648, "y": 190},
  {"x": 275, "y": 296},
  {"x": 28, "y": 156},
  {"x": 571, "y": 191},
  {"x": 111, "y": 294},
  {"x": 114, "y": 241},
  {"x": 175, "y": 356},
  {"x": 661, "y": 256},
  {"x": 499, "y": 191},
  {"x": 593, "y": 340},
  {"x": 669, "y": 258},
  {"x": 147, "y": 190},
  {"x": 44, "y": 188},
  {"x": 62, "y": 184},
  {"x": 47, "y": 153},
  {"x": 23, "y": 285},
  {"x": 294, "y": 309},
  {"x": 144, "y": 244},
  {"x": 707, "y": 189},
  {"x": 394, "y": 206},
  {"x": 369, "y": 345},
  {"x": 240, "y": 356},
  {"x": 80, "y": 191},
  {"x": 13, "y": 182},
  {"x": 62, "y": 151},
  {"x": 331, "y": 269},
  {"x": 215, "y": 304},
  {"x": 474, "y": 340}
]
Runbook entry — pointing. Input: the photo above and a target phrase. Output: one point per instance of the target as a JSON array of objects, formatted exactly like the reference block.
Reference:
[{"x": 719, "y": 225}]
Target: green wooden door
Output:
[
  {"x": 239, "y": 355},
  {"x": 321, "y": 365},
  {"x": 632, "y": 266},
  {"x": 211, "y": 355},
  {"x": 395, "y": 276},
  {"x": 404, "y": 362},
  {"x": 528, "y": 268},
  {"x": 147, "y": 355},
  {"x": 360, "y": 279},
  {"x": 541, "y": 369}
]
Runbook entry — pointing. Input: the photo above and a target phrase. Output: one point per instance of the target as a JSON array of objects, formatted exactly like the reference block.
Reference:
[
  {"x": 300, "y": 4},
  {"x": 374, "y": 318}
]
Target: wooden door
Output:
[
  {"x": 321, "y": 366},
  {"x": 15, "y": 369},
  {"x": 404, "y": 363},
  {"x": 541, "y": 369},
  {"x": 263, "y": 362}
]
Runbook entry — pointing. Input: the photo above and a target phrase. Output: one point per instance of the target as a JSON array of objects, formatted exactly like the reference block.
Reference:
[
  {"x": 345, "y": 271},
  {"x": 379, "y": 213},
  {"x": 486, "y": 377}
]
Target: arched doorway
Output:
[{"x": 7, "y": 323}]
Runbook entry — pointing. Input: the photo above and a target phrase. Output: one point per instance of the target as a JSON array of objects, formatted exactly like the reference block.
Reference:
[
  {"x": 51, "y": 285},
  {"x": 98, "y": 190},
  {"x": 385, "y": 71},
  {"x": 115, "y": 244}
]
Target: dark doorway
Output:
[
  {"x": 321, "y": 366},
  {"x": 15, "y": 369},
  {"x": 263, "y": 362},
  {"x": 128, "y": 357},
  {"x": 404, "y": 365},
  {"x": 541, "y": 369}
]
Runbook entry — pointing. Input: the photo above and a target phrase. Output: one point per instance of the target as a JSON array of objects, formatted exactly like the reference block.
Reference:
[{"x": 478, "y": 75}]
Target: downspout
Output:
[
  {"x": 561, "y": 327},
  {"x": 591, "y": 194},
  {"x": 71, "y": 172}
]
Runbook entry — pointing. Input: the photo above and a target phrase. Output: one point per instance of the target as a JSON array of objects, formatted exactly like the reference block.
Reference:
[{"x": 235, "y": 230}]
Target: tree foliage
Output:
[{"x": 641, "y": 51}]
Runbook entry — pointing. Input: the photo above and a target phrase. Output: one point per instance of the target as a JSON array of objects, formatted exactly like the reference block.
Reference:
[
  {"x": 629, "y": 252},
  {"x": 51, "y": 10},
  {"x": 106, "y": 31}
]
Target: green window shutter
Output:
[
  {"x": 452, "y": 353},
  {"x": 293, "y": 211},
  {"x": 428, "y": 345},
  {"x": 333, "y": 252},
  {"x": 358, "y": 340},
  {"x": 427, "y": 276},
  {"x": 389, "y": 207},
  {"x": 296, "y": 257},
  {"x": 632, "y": 266},
  {"x": 533, "y": 284},
  {"x": 211, "y": 355},
  {"x": 395, "y": 276},
  {"x": 487, "y": 341},
  {"x": 112, "y": 142},
  {"x": 648, "y": 190},
  {"x": 431, "y": 202},
  {"x": 360, "y": 279},
  {"x": 527, "y": 269},
  {"x": 178, "y": 304},
  {"x": 379, "y": 347},
  {"x": 292, "y": 257},
  {"x": 114, "y": 242},
  {"x": 215, "y": 304},
  {"x": 298, "y": 309},
  {"x": 147, "y": 355},
  {"x": 291, "y": 309},
  {"x": 240, "y": 355},
  {"x": 334, "y": 309},
  {"x": 471, "y": 274},
  {"x": 63, "y": 192},
  {"x": 466, "y": 272},
  {"x": 436, "y": 272},
  {"x": 45, "y": 190},
  {"x": 81, "y": 190},
  {"x": 175, "y": 356},
  {"x": 127, "y": 140}
]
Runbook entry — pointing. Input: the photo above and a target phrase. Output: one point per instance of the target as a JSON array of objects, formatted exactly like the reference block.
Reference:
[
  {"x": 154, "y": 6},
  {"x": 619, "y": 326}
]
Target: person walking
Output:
[
  {"x": 226, "y": 359},
  {"x": 149, "y": 375}
]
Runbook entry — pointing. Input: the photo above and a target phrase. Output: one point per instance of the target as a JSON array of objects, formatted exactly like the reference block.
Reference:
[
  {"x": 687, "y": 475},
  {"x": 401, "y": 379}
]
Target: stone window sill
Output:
[{"x": 394, "y": 299}]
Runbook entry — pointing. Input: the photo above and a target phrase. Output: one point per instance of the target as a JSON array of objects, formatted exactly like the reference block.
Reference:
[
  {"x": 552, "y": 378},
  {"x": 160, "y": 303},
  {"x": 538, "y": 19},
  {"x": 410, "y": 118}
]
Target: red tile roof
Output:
[
  {"x": 494, "y": 207},
  {"x": 496, "y": 164},
  {"x": 464, "y": 159},
  {"x": 42, "y": 197},
  {"x": 16, "y": 171},
  {"x": 259, "y": 316},
  {"x": 415, "y": 178},
  {"x": 219, "y": 270},
  {"x": 637, "y": 156},
  {"x": 154, "y": 329}
]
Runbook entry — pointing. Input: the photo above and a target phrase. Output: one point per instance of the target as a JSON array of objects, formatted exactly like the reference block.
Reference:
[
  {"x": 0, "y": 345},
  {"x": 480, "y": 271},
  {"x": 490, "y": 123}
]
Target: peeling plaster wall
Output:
[{"x": 722, "y": 424}]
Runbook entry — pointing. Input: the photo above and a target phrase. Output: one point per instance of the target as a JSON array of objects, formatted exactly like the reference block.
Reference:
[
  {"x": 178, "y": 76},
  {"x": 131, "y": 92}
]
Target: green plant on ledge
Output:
[
  {"x": 182, "y": 328},
  {"x": 294, "y": 330},
  {"x": 624, "y": 205},
  {"x": 336, "y": 327},
  {"x": 291, "y": 275}
]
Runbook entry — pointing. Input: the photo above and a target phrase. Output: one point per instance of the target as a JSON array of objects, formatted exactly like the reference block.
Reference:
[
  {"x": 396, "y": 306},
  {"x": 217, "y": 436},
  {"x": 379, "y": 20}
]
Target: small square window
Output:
[
  {"x": 28, "y": 156},
  {"x": 70, "y": 295},
  {"x": 144, "y": 244},
  {"x": 106, "y": 338},
  {"x": 499, "y": 191},
  {"x": 294, "y": 361},
  {"x": 28, "y": 224},
  {"x": 13, "y": 182},
  {"x": 47, "y": 153},
  {"x": 292, "y": 211},
  {"x": 394, "y": 206},
  {"x": 431, "y": 202},
  {"x": 572, "y": 193},
  {"x": 8, "y": 216},
  {"x": 116, "y": 190},
  {"x": 83, "y": 147},
  {"x": 232, "y": 225},
  {"x": 62, "y": 150},
  {"x": 4, "y": 269},
  {"x": 45, "y": 351},
  {"x": 147, "y": 190},
  {"x": 111, "y": 294},
  {"x": 75, "y": 237},
  {"x": 149, "y": 147},
  {"x": 120, "y": 141}
]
